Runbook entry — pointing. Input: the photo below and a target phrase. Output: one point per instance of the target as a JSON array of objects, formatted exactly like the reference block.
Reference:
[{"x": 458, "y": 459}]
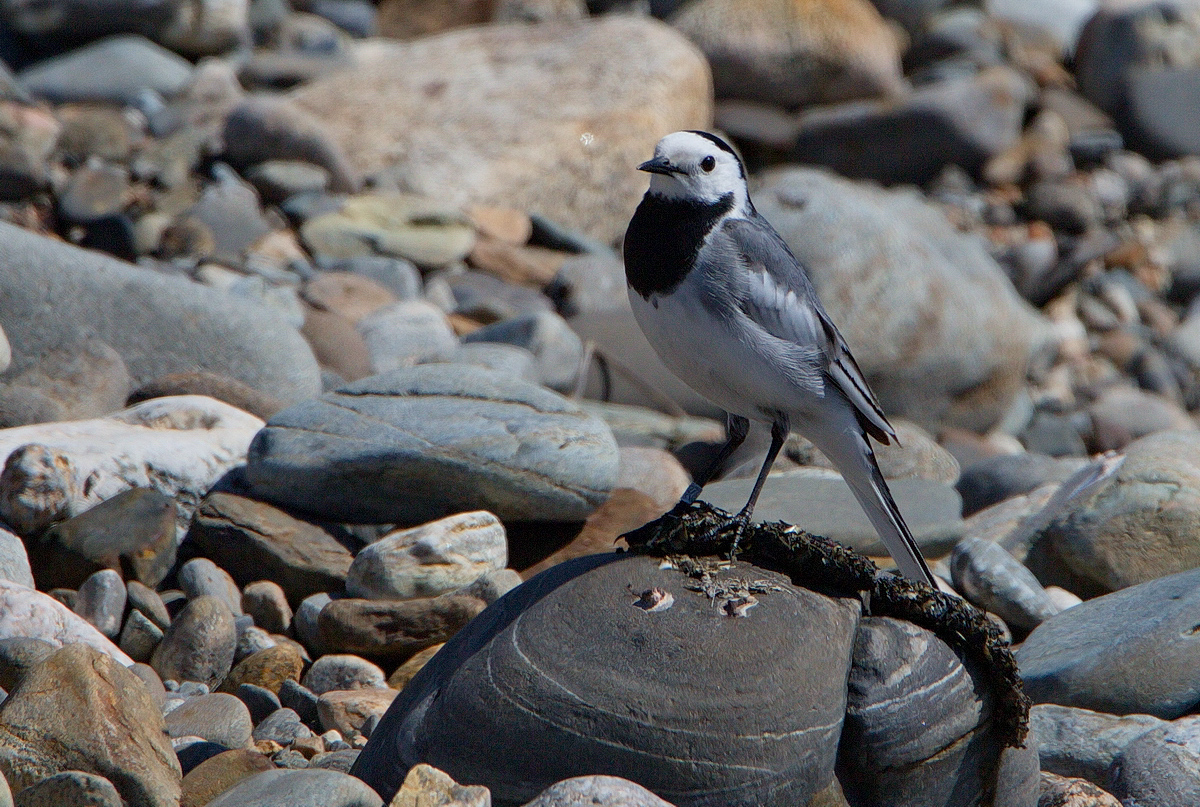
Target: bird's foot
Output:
[
  {"x": 687, "y": 528},
  {"x": 731, "y": 529}
]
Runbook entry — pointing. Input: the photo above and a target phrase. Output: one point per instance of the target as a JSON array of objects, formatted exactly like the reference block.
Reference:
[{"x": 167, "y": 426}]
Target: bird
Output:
[{"x": 732, "y": 312}]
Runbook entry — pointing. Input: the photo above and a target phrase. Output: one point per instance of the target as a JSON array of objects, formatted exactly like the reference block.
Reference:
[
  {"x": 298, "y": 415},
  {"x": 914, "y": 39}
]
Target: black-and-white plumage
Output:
[{"x": 732, "y": 312}]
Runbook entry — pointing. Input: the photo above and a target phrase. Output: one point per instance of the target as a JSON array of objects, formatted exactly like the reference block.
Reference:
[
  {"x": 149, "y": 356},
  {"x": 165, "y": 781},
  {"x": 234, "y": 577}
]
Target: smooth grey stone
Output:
[
  {"x": 261, "y": 701},
  {"x": 400, "y": 277},
  {"x": 821, "y": 503},
  {"x": 303, "y": 788},
  {"x": 277, "y": 180},
  {"x": 14, "y": 560},
  {"x": 1082, "y": 743},
  {"x": 18, "y": 654},
  {"x": 548, "y": 337},
  {"x": 491, "y": 586},
  {"x": 78, "y": 379},
  {"x": 961, "y": 122},
  {"x": 187, "y": 328},
  {"x": 421, "y": 443},
  {"x": 197, "y": 751},
  {"x": 192, "y": 689},
  {"x": 932, "y": 319},
  {"x": 305, "y": 620},
  {"x": 1065, "y": 206},
  {"x": 139, "y": 637},
  {"x": 489, "y": 299},
  {"x": 251, "y": 640},
  {"x": 463, "y": 714},
  {"x": 85, "y": 20},
  {"x": 290, "y": 759},
  {"x": 70, "y": 789},
  {"x": 283, "y": 726},
  {"x": 301, "y": 700},
  {"x": 1096, "y": 654},
  {"x": 1161, "y": 768},
  {"x": 199, "y": 645},
  {"x": 266, "y": 603},
  {"x": 997, "y": 582},
  {"x": 995, "y": 479},
  {"x": 600, "y": 791},
  {"x": 200, "y": 577},
  {"x": 508, "y": 359},
  {"x": 114, "y": 70},
  {"x": 217, "y": 717},
  {"x": 229, "y": 208},
  {"x": 406, "y": 333},
  {"x": 355, "y": 17},
  {"x": 335, "y": 672},
  {"x": 101, "y": 601},
  {"x": 145, "y": 599},
  {"x": 588, "y": 283},
  {"x": 918, "y": 728},
  {"x": 341, "y": 760}
]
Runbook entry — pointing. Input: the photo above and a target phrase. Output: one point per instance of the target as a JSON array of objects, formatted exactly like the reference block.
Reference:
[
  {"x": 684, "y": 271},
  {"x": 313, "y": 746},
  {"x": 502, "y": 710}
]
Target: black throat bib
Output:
[{"x": 664, "y": 238}]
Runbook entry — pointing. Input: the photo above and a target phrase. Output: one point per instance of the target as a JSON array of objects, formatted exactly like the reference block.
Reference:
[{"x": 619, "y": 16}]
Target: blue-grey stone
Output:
[
  {"x": 114, "y": 70},
  {"x": 299, "y": 788}
]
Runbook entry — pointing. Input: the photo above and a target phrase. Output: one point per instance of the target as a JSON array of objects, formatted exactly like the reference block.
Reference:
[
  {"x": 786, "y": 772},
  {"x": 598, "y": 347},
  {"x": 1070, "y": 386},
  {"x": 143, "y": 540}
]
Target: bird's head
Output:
[{"x": 697, "y": 167}]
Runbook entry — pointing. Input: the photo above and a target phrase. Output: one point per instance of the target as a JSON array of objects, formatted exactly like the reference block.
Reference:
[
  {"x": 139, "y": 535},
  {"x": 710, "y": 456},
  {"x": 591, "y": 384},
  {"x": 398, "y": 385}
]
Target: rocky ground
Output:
[{"x": 315, "y": 345}]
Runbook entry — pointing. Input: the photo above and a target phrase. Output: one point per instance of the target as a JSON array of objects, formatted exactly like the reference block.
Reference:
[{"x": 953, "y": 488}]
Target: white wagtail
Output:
[{"x": 731, "y": 311}]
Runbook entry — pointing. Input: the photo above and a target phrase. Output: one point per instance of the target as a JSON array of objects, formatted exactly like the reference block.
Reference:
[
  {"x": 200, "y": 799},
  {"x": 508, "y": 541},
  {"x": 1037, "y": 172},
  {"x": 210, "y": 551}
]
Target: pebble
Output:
[
  {"x": 393, "y": 629},
  {"x": 217, "y": 774},
  {"x": 250, "y": 640},
  {"x": 462, "y": 439},
  {"x": 200, "y": 577},
  {"x": 113, "y": 70},
  {"x": 307, "y": 615},
  {"x": 1094, "y": 655},
  {"x": 602, "y": 791},
  {"x": 81, "y": 709},
  {"x": 429, "y": 560},
  {"x": 18, "y": 654},
  {"x": 140, "y": 636},
  {"x": 301, "y": 700},
  {"x": 407, "y": 333},
  {"x": 78, "y": 380},
  {"x": 998, "y": 478},
  {"x": 14, "y": 561},
  {"x": 255, "y": 540},
  {"x": 350, "y": 711},
  {"x": 396, "y": 275},
  {"x": 269, "y": 668},
  {"x": 75, "y": 788},
  {"x": 199, "y": 644},
  {"x": 400, "y": 677},
  {"x": 101, "y": 601},
  {"x": 299, "y": 788},
  {"x": 419, "y": 229},
  {"x": 997, "y": 582},
  {"x": 283, "y": 726},
  {"x": 259, "y": 700},
  {"x": 342, "y": 672},
  {"x": 1160, "y": 767},
  {"x": 1081, "y": 743},
  {"x": 27, "y": 613},
  {"x": 1059, "y": 791},
  {"x": 266, "y": 603},
  {"x": 425, "y": 783},
  {"x": 217, "y": 718},
  {"x": 556, "y": 348}
]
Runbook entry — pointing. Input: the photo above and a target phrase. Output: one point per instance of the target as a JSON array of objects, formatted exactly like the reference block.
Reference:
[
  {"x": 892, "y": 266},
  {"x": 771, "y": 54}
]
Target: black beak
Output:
[{"x": 660, "y": 165}]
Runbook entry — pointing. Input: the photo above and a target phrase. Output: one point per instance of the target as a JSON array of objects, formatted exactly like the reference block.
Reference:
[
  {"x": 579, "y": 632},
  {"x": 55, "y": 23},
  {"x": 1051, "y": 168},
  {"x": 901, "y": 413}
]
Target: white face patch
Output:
[{"x": 706, "y": 171}]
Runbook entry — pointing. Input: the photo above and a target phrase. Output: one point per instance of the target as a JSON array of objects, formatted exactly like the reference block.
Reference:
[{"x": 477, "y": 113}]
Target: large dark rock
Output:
[
  {"x": 1135, "y": 651},
  {"x": 256, "y": 541},
  {"x": 1162, "y": 767},
  {"x": 425, "y": 442},
  {"x": 698, "y": 705},
  {"x": 904, "y": 676}
]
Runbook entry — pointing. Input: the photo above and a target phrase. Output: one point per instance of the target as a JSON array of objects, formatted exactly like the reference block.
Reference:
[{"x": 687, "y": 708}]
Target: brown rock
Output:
[
  {"x": 267, "y": 668},
  {"x": 425, "y": 784},
  {"x": 266, "y": 603},
  {"x": 432, "y": 111},
  {"x": 37, "y": 488},
  {"x": 81, "y": 710},
  {"x": 215, "y": 775},
  {"x": 502, "y": 223},
  {"x": 400, "y": 677},
  {"x": 347, "y": 709},
  {"x": 348, "y": 294},
  {"x": 214, "y": 385},
  {"x": 653, "y": 472},
  {"x": 409, "y": 19},
  {"x": 336, "y": 343},
  {"x": 74, "y": 382},
  {"x": 625, "y": 510},
  {"x": 255, "y": 540},
  {"x": 530, "y": 266},
  {"x": 393, "y": 629},
  {"x": 1063, "y": 791}
]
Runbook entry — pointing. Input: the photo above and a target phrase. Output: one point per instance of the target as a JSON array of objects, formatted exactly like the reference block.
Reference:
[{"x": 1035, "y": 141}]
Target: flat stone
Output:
[
  {"x": 349, "y": 710},
  {"x": 177, "y": 446},
  {"x": 432, "y": 559},
  {"x": 1162, "y": 767},
  {"x": 199, "y": 645},
  {"x": 27, "y": 613},
  {"x": 822, "y": 504},
  {"x": 464, "y": 716},
  {"x": 1094, "y": 655},
  {"x": 74, "y": 788},
  {"x": 101, "y": 601},
  {"x": 189, "y": 327},
  {"x": 80, "y": 710},
  {"x": 1082, "y": 743},
  {"x": 393, "y": 629},
  {"x": 602, "y": 791},
  {"x": 267, "y": 668},
  {"x": 133, "y": 531},
  {"x": 997, "y": 582},
  {"x": 218, "y": 718},
  {"x": 305, "y": 788},
  {"x": 653, "y": 81},
  {"x": 114, "y": 70},
  {"x": 452, "y": 438},
  {"x": 423, "y": 230},
  {"x": 214, "y": 776},
  {"x": 425, "y": 783},
  {"x": 266, "y": 603},
  {"x": 140, "y": 636},
  {"x": 255, "y": 540},
  {"x": 200, "y": 577},
  {"x": 407, "y": 333},
  {"x": 904, "y": 677},
  {"x": 342, "y": 672}
]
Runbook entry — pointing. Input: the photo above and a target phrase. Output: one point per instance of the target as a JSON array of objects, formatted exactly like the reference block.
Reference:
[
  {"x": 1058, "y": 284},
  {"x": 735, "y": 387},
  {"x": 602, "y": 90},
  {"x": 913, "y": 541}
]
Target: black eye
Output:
[{"x": 708, "y": 163}]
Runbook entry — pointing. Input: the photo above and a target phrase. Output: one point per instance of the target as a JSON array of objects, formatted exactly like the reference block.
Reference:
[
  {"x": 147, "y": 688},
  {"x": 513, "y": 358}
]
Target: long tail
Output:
[{"x": 851, "y": 454}]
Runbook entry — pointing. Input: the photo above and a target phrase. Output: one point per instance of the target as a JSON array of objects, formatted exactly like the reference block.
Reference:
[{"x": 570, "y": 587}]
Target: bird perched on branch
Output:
[{"x": 732, "y": 312}]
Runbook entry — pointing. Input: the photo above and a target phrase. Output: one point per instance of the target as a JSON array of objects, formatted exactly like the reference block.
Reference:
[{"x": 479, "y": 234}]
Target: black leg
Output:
[
  {"x": 736, "y": 429},
  {"x": 779, "y": 433}
]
